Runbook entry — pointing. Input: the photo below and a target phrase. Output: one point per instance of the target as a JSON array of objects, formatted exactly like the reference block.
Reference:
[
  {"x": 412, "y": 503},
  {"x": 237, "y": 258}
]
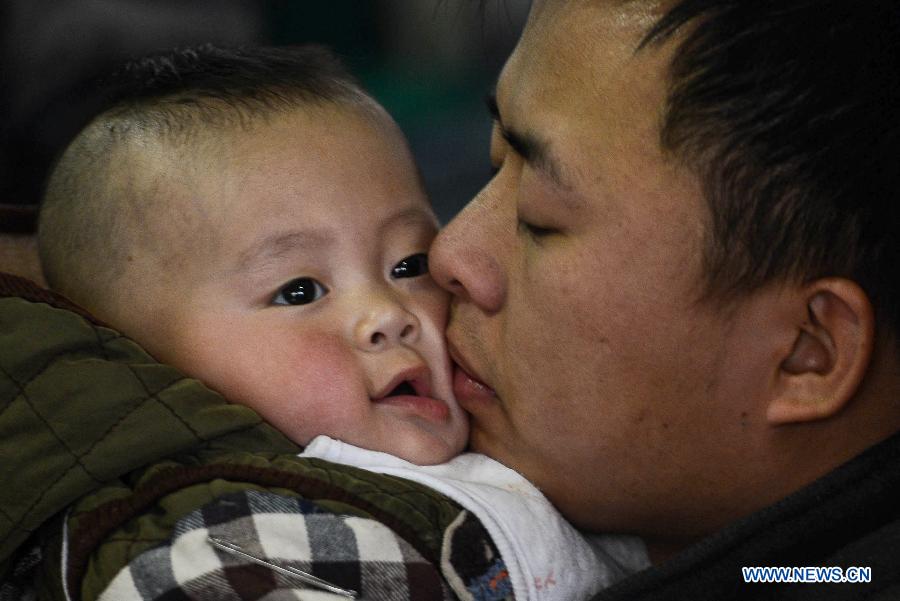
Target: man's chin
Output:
[{"x": 482, "y": 441}]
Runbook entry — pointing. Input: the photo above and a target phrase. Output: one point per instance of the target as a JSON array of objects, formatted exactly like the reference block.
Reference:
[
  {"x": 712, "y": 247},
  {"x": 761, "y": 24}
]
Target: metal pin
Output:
[{"x": 286, "y": 570}]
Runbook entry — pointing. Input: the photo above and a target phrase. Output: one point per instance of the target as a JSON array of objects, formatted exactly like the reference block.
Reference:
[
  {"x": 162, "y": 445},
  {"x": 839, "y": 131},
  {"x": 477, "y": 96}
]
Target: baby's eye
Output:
[
  {"x": 411, "y": 267},
  {"x": 301, "y": 291}
]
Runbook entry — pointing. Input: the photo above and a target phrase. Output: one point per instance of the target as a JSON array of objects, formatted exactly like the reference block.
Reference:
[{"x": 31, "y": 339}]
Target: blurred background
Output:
[{"x": 430, "y": 62}]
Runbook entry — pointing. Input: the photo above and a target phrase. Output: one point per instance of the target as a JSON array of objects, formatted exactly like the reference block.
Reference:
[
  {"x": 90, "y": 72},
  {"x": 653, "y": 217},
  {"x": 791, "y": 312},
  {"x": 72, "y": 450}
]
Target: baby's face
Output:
[{"x": 311, "y": 302}]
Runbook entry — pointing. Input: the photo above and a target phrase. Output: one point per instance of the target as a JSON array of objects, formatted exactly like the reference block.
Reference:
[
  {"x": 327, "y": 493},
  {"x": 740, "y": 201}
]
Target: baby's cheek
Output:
[
  {"x": 319, "y": 385},
  {"x": 434, "y": 306}
]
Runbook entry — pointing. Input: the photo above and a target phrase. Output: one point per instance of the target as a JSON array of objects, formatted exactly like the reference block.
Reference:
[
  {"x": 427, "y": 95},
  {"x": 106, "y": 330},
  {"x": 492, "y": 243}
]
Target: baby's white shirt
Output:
[{"x": 546, "y": 557}]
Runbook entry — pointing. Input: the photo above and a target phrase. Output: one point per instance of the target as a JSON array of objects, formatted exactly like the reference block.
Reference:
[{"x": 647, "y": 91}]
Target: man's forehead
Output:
[
  {"x": 578, "y": 82},
  {"x": 581, "y": 57},
  {"x": 628, "y": 14},
  {"x": 576, "y": 41}
]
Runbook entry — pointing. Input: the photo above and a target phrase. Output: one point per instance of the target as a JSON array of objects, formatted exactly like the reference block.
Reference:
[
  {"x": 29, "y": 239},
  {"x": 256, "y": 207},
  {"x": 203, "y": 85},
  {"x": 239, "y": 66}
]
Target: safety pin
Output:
[{"x": 286, "y": 570}]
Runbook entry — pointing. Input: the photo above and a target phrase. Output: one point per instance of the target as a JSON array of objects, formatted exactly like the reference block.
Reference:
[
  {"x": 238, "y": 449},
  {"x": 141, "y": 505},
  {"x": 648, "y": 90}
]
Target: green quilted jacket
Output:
[{"x": 93, "y": 429}]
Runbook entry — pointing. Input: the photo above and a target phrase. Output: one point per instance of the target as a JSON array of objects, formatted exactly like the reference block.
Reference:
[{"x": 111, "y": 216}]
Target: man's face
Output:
[
  {"x": 306, "y": 293},
  {"x": 587, "y": 362}
]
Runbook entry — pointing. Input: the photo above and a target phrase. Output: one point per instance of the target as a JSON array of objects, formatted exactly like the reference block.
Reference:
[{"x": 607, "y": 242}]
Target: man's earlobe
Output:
[{"x": 829, "y": 358}]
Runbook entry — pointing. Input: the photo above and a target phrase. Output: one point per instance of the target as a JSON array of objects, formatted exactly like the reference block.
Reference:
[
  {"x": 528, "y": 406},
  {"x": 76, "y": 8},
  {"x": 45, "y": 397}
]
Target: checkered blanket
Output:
[{"x": 215, "y": 553}]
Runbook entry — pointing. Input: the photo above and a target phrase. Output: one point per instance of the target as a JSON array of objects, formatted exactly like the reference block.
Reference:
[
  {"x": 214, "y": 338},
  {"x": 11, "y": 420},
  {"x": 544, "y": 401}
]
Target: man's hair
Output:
[
  {"x": 789, "y": 112},
  {"x": 96, "y": 202}
]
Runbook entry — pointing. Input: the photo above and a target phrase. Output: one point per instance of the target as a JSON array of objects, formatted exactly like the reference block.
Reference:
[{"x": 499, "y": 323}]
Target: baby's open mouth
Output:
[
  {"x": 412, "y": 381},
  {"x": 404, "y": 388},
  {"x": 411, "y": 391}
]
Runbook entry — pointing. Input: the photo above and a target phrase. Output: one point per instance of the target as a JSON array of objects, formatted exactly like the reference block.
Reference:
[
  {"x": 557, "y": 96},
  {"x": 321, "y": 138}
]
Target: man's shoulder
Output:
[{"x": 810, "y": 545}]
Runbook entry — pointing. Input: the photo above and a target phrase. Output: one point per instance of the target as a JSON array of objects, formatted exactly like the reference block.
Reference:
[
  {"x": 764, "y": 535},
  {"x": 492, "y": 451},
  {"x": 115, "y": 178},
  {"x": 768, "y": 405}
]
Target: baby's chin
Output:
[
  {"x": 423, "y": 447},
  {"x": 427, "y": 456},
  {"x": 418, "y": 438},
  {"x": 411, "y": 438}
]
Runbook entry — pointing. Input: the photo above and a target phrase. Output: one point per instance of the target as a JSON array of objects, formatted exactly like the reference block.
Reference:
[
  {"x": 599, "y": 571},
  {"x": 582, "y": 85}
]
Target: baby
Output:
[{"x": 255, "y": 219}]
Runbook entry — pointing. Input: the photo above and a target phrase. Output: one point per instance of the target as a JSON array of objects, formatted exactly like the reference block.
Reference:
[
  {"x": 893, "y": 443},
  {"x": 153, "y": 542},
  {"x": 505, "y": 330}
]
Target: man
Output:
[
  {"x": 676, "y": 308},
  {"x": 676, "y": 302}
]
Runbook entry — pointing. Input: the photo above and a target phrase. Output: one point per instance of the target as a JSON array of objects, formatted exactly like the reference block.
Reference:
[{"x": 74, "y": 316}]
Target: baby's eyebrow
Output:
[
  {"x": 410, "y": 216},
  {"x": 279, "y": 244}
]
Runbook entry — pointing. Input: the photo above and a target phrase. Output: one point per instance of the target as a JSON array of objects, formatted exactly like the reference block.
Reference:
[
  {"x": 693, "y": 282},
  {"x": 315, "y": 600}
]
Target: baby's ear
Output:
[{"x": 832, "y": 345}]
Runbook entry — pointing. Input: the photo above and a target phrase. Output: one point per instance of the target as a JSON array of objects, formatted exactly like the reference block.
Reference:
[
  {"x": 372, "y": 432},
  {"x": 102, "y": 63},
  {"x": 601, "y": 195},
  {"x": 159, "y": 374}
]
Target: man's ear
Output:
[{"x": 830, "y": 355}]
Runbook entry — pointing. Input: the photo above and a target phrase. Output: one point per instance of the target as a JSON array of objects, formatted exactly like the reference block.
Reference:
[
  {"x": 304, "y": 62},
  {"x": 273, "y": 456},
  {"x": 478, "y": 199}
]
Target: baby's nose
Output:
[{"x": 386, "y": 325}]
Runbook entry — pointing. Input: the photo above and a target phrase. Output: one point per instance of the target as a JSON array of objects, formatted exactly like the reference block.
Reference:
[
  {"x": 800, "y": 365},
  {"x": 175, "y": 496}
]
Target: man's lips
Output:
[
  {"x": 468, "y": 388},
  {"x": 411, "y": 389}
]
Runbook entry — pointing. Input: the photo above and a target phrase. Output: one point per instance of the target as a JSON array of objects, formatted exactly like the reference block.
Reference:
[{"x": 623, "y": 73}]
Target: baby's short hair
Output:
[{"x": 92, "y": 205}]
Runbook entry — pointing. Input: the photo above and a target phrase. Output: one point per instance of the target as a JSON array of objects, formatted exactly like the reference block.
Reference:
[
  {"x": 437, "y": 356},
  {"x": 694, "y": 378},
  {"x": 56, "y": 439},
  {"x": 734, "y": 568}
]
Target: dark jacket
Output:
[{"x": 848, "y": 519}]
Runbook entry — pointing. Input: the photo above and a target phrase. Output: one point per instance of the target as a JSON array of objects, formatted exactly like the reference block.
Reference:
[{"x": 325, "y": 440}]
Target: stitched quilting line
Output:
[
  {"x": 24, "y": 396},
  {"x": 76, "y": 459},
  {"x": 156, "y": 397},
  {"x": 8, "y": 517},
  {"x": 50, "y": 362},
  {"x": 22, "y": 385},
  {"x": 101, "y": 345},
  {"x": 17, "y": 524},
  {"x": 148, "y": 395}
]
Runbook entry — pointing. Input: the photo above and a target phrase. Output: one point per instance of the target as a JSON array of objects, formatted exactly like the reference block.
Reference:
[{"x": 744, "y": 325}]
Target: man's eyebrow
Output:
[
  {"x": 530, "y": 147},
  {"x": 279, "y": 244}
]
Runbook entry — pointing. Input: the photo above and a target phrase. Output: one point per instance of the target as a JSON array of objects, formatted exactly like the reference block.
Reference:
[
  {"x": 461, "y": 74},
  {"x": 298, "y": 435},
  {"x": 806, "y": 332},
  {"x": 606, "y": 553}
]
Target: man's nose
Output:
[
  {"x": 386, "y": 323},
  {"x": 464, "y": 258}
]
